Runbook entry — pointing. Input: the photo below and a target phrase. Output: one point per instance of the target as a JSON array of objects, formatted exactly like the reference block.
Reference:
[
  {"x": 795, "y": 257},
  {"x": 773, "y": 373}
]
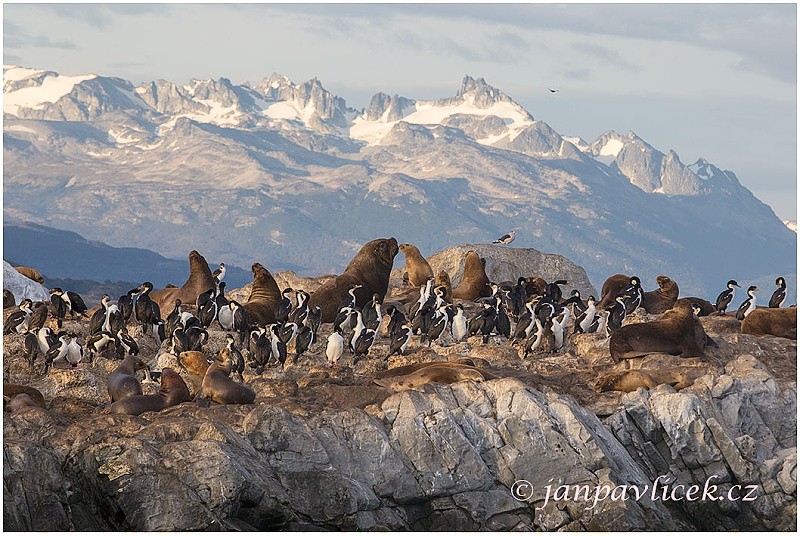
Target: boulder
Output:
[{"x": 508, "y": 264}]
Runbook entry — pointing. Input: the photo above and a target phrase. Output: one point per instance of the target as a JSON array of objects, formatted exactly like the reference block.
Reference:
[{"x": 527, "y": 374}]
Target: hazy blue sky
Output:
[{"x": 717, "y": 81}]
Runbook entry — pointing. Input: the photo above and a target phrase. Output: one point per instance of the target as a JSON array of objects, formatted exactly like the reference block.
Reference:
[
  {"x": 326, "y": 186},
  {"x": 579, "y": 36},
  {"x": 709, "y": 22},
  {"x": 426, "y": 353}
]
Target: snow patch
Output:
[
  {"x": 578, "y": 142},
  {"x": 612, "y": 148},
  {"x": 431, "y": 113},
  {"x": 19, "y": 128},
  {"x": 52, "y": 88},
  {"x": 791, "y": 225}
]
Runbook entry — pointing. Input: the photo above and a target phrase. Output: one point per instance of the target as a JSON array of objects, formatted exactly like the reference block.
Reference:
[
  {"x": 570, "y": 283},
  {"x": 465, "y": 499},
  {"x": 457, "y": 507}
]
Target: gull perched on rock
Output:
[{"x": 505, "y": 239}]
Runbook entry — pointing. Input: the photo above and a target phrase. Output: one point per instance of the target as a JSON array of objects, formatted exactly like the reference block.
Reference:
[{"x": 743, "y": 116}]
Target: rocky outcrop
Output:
[
  {"x": 22, "y": 287},
  {"x": 325, "y": 448},
  {"x": 508, "y": 264}
]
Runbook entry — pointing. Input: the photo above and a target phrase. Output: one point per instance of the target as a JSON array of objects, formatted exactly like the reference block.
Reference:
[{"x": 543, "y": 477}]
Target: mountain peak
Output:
[{"x": 483, "y": 95}]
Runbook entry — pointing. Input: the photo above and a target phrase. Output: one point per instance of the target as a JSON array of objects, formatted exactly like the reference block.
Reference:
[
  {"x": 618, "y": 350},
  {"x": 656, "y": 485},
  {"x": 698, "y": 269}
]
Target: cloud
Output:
[
  {"x": 582, "y": 75},
  {"x": 103, "y": 15},
  {"x": 762, "y": 36},
  {"x": 604, "y": 53},
  {"x": 16, "y": 37}
]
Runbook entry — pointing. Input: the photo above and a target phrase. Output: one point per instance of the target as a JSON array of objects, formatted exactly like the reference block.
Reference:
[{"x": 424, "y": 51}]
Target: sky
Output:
[{"x": 713, "y": 81}]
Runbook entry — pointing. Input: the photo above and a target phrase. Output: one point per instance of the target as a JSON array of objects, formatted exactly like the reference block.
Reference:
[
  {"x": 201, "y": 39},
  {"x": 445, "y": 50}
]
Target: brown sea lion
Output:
[
  {"x": 173, "y": 392},
  {"x": 122, "y": 382},
  {"x": 475, "y": 283},
  {"x": 13, "y": 389},
  {"x": 408, "y": 369},
  {"x": 20, "y": 402},
  {"x": 200, "y": 280},
  {"x": 676, "y": 332},
  {"x": 780, "y": 322},
  {"x": 611, "y": 287},
  {"x": 443, "y": 279},
  {"x": 534, "y": 286},
  {"x": 8, "y": 299},
  {"x": 30, "y": 273},
  {"x": 630, "y": 380},
  {"x": 196, "y": 364},
  {"x": 417, "y": 267},
  {"x": 705, "y": 306},
  {"x": 370, "y": 268},
  {"x": 264, "y": 295},
  {"x": 658, "y": 301},
  {"x": 441, "y": 373},
  {"x": 219, "y": 387}
]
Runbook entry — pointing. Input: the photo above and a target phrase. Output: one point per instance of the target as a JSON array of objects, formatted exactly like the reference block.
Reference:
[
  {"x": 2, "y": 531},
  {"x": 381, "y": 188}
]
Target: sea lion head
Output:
[
  {"x": 667, "y": 287},
  {"x": 385, "y": 250},
  {"x": 684, "y": 306},
  {"x": 607, "y": 382}
]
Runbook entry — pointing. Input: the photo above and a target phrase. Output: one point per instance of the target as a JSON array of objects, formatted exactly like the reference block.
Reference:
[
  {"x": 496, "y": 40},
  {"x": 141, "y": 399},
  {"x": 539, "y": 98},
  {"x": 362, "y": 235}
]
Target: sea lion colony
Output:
[{"x": 274, "y": 328}]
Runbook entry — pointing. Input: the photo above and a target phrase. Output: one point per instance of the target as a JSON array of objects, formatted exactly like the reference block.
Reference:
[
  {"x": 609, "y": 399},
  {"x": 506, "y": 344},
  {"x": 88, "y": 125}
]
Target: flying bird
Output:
[
  {"x": 551, "y": 90},
  {"x": 505, "y": 239}
]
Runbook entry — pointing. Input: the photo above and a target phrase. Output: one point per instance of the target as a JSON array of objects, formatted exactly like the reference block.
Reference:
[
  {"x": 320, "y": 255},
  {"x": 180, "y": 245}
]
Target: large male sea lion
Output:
[
  {"x": 265, "y": 294},
  {"x": 122, "y": 382},
  {"x": 780, "y": 322},
  {"x": 630, "y": 380},
  {"x": 676, "y": 332},
  {"x": 173, "y": 391},
  {"x": 417, "y": 267},
  {"x": 611, "y": 287},
  {"x": 439, "y": 372},
  {"x": 370, "y": 268},
  {"x": 664, "y": 297},
  {"x": 200, "y": 280},
  {"x": 219, "y": 387},
  {"x": 475, "y": 283}
]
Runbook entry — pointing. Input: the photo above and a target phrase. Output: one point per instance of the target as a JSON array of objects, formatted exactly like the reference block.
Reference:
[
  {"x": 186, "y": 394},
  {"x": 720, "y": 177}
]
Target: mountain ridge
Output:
[{"x": 463, "y": 169}]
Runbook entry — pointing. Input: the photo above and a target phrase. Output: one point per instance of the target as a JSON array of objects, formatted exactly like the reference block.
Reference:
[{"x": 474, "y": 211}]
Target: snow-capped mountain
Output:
[{"x": 288, "y": 175}]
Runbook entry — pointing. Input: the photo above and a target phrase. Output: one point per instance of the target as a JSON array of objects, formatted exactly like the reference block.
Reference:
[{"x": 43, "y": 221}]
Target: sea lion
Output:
[
  {"x": 414, "y": 367},
  {"x": 173, "y": 392},
  {"x": 8, "y": 299},
  {"x": 122, "y": 382},
  {"x": 611, "y": 287},
  {"x": 264, "y": 295},
  {"x": 370, "y": 268},
  {"x": 630, "y": 380},
  {"x": 678, "y": 331},
  {"x": 705, "y": 306},
  {"x": 13, "y": 389},
  {"x": 196, "y": 364},
  {"x": 219, "y": 387},
  {"x": 658, "y": 301},
  {"x": 441, "y": 373},
  {"x": 475, "y": 283},
  {"x": 200, "y": 280},
  {"x": 417, "y": 267},
  {"x": 443, "y": 279},
  {"x": 20, "y": 402},
  {"x": 534, "y": 286},
  {"x": 30, "y": 273},
  {"x": 771, "y": 321}
]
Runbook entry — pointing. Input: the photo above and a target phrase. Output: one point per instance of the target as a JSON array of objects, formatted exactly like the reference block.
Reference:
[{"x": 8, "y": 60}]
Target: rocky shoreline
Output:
[{"x": 326, "y": 448}]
